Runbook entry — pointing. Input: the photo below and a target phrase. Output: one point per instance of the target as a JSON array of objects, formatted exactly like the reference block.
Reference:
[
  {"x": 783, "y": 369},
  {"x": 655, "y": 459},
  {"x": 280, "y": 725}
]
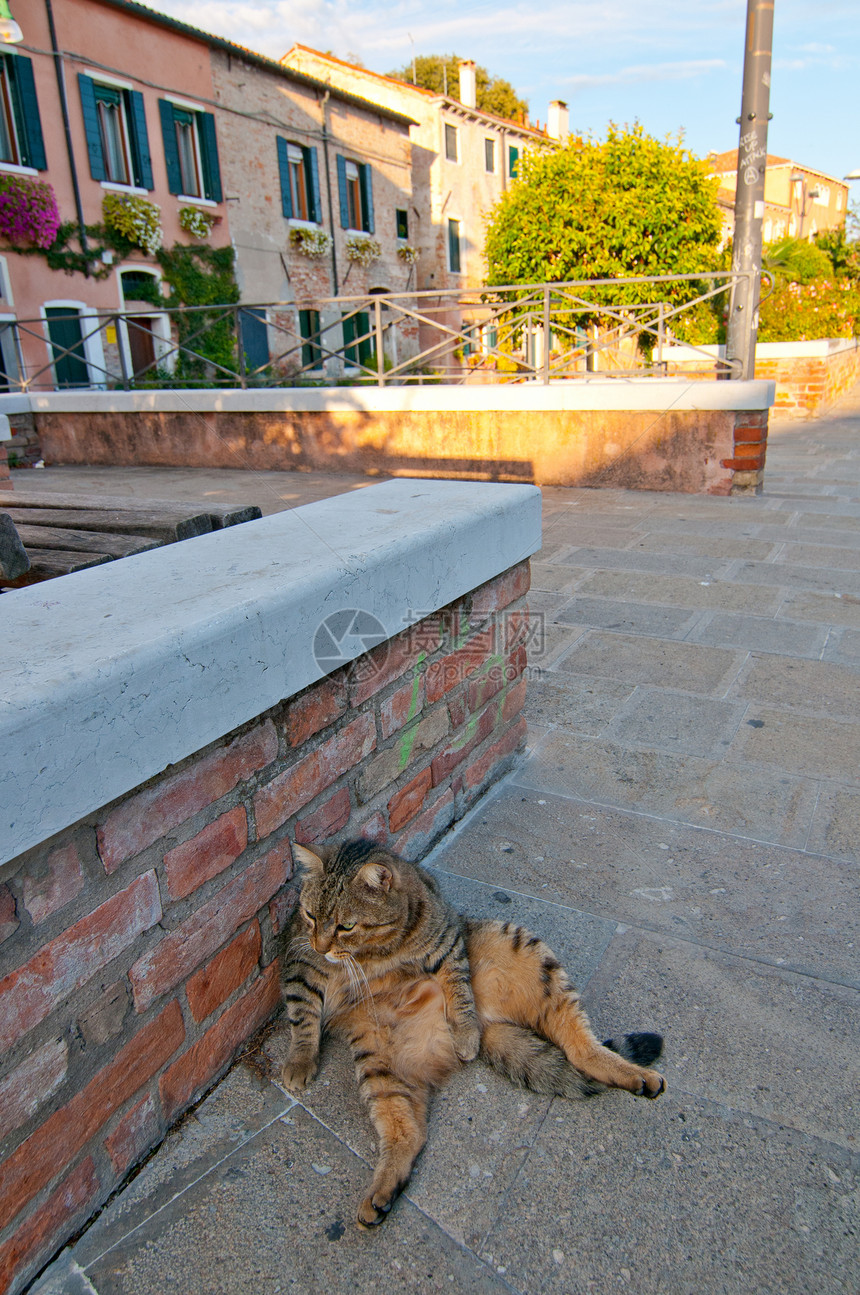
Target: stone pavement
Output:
[{"x": 684, "y": 832}]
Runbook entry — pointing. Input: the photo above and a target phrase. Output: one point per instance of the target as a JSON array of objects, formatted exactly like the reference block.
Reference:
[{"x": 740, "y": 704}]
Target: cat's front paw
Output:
[
  {"x": 467, "y": 1042},
  {"x": 298, "y": 1072}
]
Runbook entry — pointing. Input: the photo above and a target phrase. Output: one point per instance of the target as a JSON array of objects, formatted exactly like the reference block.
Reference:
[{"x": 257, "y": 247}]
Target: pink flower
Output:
[{"x": 28, "y": 211}]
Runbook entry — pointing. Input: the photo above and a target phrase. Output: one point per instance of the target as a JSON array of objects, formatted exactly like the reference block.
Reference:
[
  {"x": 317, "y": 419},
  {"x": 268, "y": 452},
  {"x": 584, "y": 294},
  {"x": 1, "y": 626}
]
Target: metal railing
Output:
[{"x": 534, "y": 333}]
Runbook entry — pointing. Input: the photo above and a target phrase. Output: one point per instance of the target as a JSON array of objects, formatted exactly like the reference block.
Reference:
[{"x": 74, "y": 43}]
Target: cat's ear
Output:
[
  {"x": 377, "y": 877},
  {"x": 309, "y": 861}
]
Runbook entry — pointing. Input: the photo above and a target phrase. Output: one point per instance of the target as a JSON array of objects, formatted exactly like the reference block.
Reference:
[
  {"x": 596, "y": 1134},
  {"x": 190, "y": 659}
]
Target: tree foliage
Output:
[
  {"x": 626, "y": 205},
  {"x": 493, "y": 93}
]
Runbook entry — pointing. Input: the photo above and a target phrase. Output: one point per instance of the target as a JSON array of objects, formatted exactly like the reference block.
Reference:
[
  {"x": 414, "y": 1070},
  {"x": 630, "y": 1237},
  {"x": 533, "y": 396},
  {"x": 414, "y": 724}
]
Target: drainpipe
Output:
[
  {"x": 326, "y": 98},
  {"x": 64, "y": 108}
]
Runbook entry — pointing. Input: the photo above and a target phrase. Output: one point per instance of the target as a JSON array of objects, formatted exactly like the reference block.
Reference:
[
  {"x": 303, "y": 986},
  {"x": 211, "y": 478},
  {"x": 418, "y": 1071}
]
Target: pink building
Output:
[{"x": 129, "y": 114}]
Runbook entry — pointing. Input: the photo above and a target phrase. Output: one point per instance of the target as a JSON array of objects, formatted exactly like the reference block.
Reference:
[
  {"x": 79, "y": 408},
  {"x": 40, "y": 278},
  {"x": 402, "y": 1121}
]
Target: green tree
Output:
[
  {"x": 626, "y": 205},
  {"x": 493, "y": 93}
]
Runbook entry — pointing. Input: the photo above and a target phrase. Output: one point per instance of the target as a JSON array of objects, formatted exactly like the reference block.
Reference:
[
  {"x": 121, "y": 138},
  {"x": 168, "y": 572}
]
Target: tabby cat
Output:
[{"x": 375, "y": 953}]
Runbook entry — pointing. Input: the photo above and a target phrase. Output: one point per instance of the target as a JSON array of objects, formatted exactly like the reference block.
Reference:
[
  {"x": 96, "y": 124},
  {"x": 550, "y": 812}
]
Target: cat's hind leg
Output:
[{"x": 517, "y": 979}]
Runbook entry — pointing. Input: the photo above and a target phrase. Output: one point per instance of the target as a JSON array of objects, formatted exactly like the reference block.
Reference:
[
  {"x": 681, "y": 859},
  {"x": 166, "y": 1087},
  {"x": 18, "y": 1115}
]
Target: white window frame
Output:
[
  {"x": 491, "y": 140},
  {"x": 296, "y": 158},
  {"x": 165, "y": 355},
  {"x": 94, "y": 356},
  {"x": 8, "y": 317},
  {"x": 350, "y": 179}
]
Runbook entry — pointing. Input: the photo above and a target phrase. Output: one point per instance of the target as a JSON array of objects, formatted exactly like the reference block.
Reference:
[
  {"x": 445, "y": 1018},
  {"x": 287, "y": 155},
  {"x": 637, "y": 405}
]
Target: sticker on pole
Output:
[{"x": 345, "y": 635}]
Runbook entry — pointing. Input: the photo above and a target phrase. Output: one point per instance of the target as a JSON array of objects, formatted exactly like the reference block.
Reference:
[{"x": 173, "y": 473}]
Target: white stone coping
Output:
[
  {"x": 111, "y": 674},
  {"x": 823, "y": 347},
  {"x": 655, "y": 394}
]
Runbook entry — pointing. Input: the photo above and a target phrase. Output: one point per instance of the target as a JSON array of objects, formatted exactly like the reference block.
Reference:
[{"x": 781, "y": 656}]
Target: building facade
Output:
[
  {"x": 152, "y": 138},
  {"x": 463, "y": 160},
  {"x": 799, "y": 202}
]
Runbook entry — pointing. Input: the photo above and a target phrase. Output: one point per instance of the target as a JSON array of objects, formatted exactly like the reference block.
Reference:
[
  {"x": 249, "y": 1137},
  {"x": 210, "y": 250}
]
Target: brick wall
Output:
[
  {"x": 804, "y": 386},
  {"x": 138, "y": 948}
]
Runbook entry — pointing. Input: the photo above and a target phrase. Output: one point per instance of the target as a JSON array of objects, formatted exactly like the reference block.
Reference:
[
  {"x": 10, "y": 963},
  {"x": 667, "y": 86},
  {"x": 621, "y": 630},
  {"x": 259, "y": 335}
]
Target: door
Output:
[{"x": 67, "y": 346}]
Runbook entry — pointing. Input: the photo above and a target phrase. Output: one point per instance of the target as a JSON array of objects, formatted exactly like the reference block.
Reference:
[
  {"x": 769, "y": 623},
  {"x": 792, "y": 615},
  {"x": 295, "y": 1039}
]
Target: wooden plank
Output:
[
  {"x": 13, "y": 557},
  {"x": 118, "y": 546},
  {"x": 47, "y": 563},
  {"x": 221, "y": 514},
  {"x": 164, "y": 526}
]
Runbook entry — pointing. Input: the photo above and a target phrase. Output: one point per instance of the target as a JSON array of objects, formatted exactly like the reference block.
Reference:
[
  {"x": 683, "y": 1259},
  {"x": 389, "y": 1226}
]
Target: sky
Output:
[{"x": 673, "y": 65}]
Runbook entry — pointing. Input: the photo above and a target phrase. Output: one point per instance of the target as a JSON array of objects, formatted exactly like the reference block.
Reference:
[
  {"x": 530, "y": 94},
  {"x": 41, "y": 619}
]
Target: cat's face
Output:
[{"x": 349, "y": 900}]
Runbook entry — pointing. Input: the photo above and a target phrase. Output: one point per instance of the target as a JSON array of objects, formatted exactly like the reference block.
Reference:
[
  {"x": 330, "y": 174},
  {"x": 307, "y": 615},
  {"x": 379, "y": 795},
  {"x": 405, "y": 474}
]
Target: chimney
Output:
[
  {"x": 468, "y": 85},
  {"x": 558, "y": 125}
]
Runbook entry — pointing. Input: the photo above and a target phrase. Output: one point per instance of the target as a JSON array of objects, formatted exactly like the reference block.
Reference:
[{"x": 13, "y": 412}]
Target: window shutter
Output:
[
  {"x": 313, "y": 174},
  {"x": 140, "y": 141},
  {"x": 341, "y": 191},
  {"x": 30, "y": 124},
  {"x": 367, "y": 197},
  {"x": 284, "y": 175},
  {"x": 91, "y": 126},
  {"x": 513, "y": 161},
  {"x": 171, "y": 150},
  {"x": 209, "y": 149}
]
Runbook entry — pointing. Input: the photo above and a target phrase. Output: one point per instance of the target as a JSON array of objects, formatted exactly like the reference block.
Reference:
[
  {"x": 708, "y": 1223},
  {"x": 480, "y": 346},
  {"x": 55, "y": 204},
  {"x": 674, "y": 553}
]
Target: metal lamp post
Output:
[{"x": 749, "y": 194}]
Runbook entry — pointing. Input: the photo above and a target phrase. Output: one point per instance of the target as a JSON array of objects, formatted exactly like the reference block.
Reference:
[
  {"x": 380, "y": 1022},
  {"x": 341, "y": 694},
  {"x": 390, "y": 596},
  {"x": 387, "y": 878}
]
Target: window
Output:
[
  {"x": 450, "y": 142},
  {"x": 117, "y": 139},
  {"x": 454, "y": 246},
  {"x": 355, "y": 188},
  {"x": 357, "y": 340},
  {"x": 402, "y": 223},
  {"x": 513, "y": 161},
  {"x": 300, "y": 184},
  {"x": 21, "y": 142},
  {"x": 10, "y": 356},
  {"x": 190, "y": 151},
  {"x": 823, "y": 195},
  {"x": 489, "y": 155},
  {"x": 309, "y": 328}
]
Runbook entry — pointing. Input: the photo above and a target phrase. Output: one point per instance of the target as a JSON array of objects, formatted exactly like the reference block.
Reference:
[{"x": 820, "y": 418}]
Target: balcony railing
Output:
[{"x": 535, "y": 333}]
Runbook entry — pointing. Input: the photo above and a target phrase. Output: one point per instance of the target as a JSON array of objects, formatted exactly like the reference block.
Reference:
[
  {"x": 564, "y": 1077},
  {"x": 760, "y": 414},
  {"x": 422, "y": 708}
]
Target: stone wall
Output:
[
  {"x": 808, "y": 376},
  {"x": 651, "y": 435},
  {"x": 138, "y": 946}
]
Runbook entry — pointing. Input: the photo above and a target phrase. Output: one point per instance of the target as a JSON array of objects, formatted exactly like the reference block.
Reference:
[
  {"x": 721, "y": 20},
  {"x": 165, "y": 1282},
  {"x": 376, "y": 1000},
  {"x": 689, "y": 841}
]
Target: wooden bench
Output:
[{"x": 47, "y": 535}]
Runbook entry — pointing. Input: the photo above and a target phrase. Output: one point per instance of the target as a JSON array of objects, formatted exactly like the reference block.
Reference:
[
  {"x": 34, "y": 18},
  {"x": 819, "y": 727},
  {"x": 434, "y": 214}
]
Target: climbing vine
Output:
[{"x": 202, "y": 276}]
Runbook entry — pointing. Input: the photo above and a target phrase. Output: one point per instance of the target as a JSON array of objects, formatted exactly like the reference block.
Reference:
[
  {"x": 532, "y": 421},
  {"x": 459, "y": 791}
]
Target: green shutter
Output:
[
  {"x": 90, "y": 114},
  {"x": 313, "y": 174},
  {"x": 209, "y": 149},
  {"x": 27, "y": 113},
  {"x": 284, "y": 176},
  {"x": 171, "y": 149},
  {"x": 513, "y": 161},
  {"x": 341, "y": 190},
  {"x": 366, "y": 179},
  {"x": 141, "y": 157}
]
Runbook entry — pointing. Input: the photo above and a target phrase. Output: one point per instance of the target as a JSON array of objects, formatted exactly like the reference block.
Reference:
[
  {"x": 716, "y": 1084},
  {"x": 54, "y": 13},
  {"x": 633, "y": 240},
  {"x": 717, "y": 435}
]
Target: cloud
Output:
[{"x": 681, "y": 71}]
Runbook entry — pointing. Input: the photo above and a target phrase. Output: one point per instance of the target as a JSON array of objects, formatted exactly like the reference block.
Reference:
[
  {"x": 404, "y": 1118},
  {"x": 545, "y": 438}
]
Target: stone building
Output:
[
  {"x": 463, "y": 160},
  {"x": 799, "y": 201},
  {"x": 214, "y": 146}
]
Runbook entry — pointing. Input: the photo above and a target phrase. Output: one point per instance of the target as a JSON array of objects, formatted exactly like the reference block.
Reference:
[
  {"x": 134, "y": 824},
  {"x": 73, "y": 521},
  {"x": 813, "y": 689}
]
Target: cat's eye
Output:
[
  {"x": 309, "y": 917},
  {"x": 346, "y": 926}
]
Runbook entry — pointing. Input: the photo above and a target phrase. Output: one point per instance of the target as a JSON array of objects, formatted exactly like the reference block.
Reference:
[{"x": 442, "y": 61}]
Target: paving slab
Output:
[
  {"x": 678, "y": 722},
  {"x": 804, "y": 745},
  {"x": 776, "y": 1044},
  {"x": 626, "y": 617},
  {"x": 760, "y": 634},
  {"x": 676, "y": 1198},
  {"x": 769, "y": 903},
  {"x": 813, "y": 686},
  {"x": 712, "y": 591},
  {"x": 649, "y": 660},
  {"x": 578, "y": 705}
]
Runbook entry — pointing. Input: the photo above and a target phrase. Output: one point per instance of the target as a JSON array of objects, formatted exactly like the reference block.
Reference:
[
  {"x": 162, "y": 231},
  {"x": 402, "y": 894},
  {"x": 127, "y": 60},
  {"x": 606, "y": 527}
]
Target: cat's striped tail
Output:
[{"x": 532, "y": 1061}]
